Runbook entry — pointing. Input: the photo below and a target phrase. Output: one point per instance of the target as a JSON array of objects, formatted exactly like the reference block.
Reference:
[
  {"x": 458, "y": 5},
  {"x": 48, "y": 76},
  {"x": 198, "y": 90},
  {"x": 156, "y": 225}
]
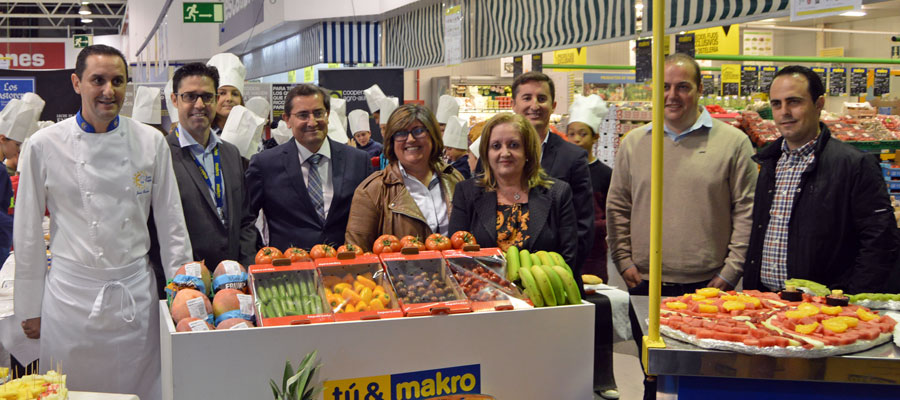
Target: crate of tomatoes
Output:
[
  {"x": 481, "y": 275},
  {"x": 357, "y": 287}
]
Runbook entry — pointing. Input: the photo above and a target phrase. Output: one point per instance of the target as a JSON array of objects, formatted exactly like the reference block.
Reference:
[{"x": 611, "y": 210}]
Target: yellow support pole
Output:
[{"x": 652, "y": 340}]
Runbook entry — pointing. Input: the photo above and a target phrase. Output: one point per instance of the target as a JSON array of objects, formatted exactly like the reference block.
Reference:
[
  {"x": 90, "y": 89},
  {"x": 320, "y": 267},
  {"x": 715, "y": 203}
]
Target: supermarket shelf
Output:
[{"x": 884, "y": 146}]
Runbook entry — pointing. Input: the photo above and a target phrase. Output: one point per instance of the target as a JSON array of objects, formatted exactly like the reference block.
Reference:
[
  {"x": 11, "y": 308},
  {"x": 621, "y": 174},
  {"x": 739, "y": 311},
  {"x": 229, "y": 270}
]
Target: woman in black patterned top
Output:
[{"x": 514, "y": 202}]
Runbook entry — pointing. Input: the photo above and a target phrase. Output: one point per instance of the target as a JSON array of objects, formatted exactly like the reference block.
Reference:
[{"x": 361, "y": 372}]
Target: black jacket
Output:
[
  {"x": 842, "y": 232},
  {"x": 551, "y": 218}
]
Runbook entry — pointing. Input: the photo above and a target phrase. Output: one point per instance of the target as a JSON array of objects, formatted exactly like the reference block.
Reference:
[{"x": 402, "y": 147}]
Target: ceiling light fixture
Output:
[
  {"x": 639, "y": 6},
  {"x": 84, "y": 10},
  {"x": 86, "y": 20},
  {"x": 854, "y": 14}
]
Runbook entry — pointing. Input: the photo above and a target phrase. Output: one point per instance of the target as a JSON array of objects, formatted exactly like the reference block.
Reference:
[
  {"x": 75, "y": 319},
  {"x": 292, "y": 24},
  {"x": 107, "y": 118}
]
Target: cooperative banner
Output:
[{"x": 349, "y": 84}]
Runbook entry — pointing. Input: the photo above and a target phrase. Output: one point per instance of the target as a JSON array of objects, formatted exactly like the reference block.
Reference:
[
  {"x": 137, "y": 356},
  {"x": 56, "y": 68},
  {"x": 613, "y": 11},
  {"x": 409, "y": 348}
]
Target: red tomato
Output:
[
  {"x": 351, "y": 248},
  {"x": 412, "y": 241},
  {"x": 386, "y": 245},
  {"x": 461, "y": 238},
  {"x": 297, "y": 254},
  {"x": 321, "y": 251},
  {"x": 436, "y": 241},
  {"x": 265, "y": 255},
  {"x": 392, "y": 237}
]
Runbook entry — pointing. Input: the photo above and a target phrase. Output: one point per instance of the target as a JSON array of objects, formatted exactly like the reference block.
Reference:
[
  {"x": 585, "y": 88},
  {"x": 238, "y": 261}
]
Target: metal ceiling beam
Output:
[
  {"x": 61, "y": 28},
  {"x": 69, "y": 16}
]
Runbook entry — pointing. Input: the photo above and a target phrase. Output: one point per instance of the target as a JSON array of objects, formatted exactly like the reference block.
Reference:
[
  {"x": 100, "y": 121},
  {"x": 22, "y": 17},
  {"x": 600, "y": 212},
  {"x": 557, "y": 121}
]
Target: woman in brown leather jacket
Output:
[{"x": 412, "y": 195}]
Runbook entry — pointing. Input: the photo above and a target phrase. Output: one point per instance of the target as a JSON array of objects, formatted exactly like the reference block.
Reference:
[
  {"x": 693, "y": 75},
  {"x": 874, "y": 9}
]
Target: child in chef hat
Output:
[
  {"x": 362, "y": 135},
  {"x": 231, "y": 86},
  {"x": 373, "y": 95},
  {"x": 447, "y": 107},
  {"x": 386, "y": 107},
  {"x": 456, "y": 142}
]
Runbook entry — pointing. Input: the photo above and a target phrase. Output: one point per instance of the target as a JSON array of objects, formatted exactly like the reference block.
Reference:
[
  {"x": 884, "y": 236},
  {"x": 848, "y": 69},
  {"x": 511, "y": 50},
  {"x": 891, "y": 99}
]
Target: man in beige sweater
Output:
[
  {"x": 709, "y": 180},
  {"x": 708, "y": 185}
]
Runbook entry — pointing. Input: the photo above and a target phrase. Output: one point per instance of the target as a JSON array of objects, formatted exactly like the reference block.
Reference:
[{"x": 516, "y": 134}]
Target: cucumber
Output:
[{"x": 512, "y": 264}]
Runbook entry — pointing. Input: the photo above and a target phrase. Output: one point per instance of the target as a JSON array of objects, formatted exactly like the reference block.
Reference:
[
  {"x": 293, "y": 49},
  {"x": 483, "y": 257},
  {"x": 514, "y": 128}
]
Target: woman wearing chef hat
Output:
[{"x": 231, "y": 86}]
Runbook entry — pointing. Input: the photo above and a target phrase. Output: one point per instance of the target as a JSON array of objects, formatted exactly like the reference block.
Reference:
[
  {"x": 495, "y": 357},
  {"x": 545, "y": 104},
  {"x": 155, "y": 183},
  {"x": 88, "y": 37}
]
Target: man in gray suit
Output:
[{"x": 210, "y": 173}]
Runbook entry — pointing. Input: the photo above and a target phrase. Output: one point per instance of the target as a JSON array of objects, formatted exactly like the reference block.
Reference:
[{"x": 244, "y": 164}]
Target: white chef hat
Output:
[
  {"x": 170, "y": 107},
  {"x": 338, "y": 107},
  {"x": 373, "y": 95},
  {"x": 336, "y": 130},
  {"x": 456, "y": 133},
  {"x": 259, "y": 106},
  {"x": 359, "y": 121},
  {"x": 447, "y": 107},
  {"x": 588, "y": 110},
  {"x": 231, "y": 70},
  {"x": 387, "y": 106},
  {"x": 19, "y": 119},
  {"x": 474, "y": 147},
  {"x": 243, "y": 129},
  {"x": 147, "y": 108},
  {"x": 282, "y": 133}
]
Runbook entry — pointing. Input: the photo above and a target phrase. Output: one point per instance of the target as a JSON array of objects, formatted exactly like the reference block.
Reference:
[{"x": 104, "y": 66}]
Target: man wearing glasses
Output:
[
  {"x": 210, "y": 173},
  {"x": 305, "y": 185}
]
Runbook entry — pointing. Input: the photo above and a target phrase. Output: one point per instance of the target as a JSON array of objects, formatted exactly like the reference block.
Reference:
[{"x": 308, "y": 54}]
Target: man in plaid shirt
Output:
[{"x": 821, "y": 209}]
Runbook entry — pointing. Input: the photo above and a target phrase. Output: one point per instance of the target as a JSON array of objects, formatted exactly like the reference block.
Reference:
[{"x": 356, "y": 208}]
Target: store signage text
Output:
[
  {"x": 36, "y": 55},
  {"x": 718, "y": 40},
  {"x": 465, "y": 379}
]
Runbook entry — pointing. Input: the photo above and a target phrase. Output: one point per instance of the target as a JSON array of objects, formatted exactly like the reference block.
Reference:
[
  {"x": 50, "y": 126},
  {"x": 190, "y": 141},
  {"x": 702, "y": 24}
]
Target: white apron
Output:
[{"x": 106, "y": 319}]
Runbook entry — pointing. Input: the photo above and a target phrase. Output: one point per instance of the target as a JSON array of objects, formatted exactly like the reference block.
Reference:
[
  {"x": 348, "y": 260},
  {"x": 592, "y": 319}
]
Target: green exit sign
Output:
[
  {"x": 204, "y": 12},
  {"x": 82, "y": 41}
]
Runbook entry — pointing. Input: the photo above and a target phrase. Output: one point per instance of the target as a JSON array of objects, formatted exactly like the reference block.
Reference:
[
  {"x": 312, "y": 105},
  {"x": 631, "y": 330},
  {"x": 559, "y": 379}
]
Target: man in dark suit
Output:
[
  {"x": 305, "y": 186},
  {"x": 210, "y": 173},
  {"x": 533, "y": 98}
]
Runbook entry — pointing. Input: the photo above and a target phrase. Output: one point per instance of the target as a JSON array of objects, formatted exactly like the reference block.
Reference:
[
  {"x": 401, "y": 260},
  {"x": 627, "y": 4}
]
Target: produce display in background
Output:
[
  {"x": 546, "y": 278},
  {"x": 189, "y": 301},
  {"x": 761, "y": 131},
  {"x": 386, "y": 244},
  {"x": 265, "y": 255}
]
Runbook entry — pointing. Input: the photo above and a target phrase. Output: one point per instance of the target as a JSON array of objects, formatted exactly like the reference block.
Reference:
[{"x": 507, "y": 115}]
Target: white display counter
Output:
[{"x": 544, "y": 353}]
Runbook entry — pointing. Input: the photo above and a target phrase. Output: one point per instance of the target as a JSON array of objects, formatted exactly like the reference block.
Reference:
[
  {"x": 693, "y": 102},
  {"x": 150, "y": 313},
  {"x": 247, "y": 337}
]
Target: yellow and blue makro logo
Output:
[{"x": 416, "y": 385}]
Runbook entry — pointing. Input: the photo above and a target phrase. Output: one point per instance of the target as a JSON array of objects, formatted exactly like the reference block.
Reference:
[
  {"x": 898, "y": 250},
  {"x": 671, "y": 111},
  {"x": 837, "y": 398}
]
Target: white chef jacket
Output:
[{"x": 99, "y": 188}]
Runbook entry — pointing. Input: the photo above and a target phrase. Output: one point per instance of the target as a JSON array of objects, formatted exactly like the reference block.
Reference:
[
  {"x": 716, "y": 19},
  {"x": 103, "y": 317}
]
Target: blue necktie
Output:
[{"x": 315, "y": 185}]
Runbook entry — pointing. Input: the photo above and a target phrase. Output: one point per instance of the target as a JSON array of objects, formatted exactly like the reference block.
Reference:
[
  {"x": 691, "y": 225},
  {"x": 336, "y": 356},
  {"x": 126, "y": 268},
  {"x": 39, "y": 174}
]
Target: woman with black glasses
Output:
[{"x": 411, "y": 196}]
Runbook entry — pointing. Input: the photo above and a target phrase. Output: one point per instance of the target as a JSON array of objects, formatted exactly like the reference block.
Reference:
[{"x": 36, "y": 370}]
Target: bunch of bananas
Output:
[{"x": 545, "y": 276}]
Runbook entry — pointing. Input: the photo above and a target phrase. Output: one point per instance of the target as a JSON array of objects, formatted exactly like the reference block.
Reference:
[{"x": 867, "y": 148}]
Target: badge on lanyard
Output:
[{"x": 214, "y": 184}]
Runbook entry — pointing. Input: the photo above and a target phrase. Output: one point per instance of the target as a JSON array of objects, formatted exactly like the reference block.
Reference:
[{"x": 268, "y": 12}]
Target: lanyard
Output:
[
  {"x": 87, "y": 127},
  {"x": 217, "y": 188}
]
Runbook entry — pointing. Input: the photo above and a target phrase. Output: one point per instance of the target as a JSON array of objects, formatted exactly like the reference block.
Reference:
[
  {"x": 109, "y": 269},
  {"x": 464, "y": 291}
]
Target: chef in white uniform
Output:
[{"x": 98, "y": 174}]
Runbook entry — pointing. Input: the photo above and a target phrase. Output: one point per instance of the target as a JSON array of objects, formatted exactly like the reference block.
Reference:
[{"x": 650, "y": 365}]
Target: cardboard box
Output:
[
  {"x": 357, "y": 272},
  {"x": 893, "y": 106},
  {"x": 289, "y": 295},
  {"x": 488, "y": 290},
  {"x": 424, "y": 285}
]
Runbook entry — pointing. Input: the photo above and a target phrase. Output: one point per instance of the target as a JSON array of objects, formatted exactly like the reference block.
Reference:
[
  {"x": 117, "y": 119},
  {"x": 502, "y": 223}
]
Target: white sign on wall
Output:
[{"x": 807, "y": 9}]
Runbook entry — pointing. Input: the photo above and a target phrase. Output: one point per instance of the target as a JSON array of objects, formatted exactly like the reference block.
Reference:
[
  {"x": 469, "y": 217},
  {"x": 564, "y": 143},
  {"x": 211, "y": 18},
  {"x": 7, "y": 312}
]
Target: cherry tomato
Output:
[
  {"x": 321, "y": 251},
  {"x": 462, "y": 238},
  {"x": 265, "y": 255},
  {"x": 297, "y": 254}
]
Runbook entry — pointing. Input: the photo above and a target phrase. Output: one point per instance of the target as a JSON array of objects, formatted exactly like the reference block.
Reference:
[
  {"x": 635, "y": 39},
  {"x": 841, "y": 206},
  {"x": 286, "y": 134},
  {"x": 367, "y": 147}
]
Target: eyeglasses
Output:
[
  {"x": 317, "y": 114},
  {"x": 192, "y": 97},
  {"x": 418, "y": 133}
]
